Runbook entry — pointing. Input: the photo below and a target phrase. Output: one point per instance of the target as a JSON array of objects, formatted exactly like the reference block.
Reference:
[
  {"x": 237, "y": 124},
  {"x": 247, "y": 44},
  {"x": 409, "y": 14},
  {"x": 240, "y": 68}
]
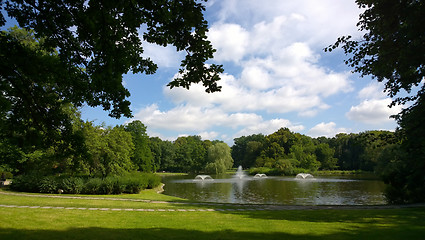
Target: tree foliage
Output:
[
  {"x": 219, "y": 158},
  {"x": 142, "y": 156},
  {"x": 362, "y": 151},
  {"x": 392, "y": 47},
  {"x": 392, "y": 50},
  {"x": 99, "y": 41},
  {"x": 109, "y": 151}
]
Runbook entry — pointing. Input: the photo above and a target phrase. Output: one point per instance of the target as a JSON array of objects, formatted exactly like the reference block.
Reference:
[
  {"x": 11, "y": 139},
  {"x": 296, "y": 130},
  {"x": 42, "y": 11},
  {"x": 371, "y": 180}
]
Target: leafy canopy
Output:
[
  {"x": 392, "y": 49},
  {"x": 104, "y": 39}
]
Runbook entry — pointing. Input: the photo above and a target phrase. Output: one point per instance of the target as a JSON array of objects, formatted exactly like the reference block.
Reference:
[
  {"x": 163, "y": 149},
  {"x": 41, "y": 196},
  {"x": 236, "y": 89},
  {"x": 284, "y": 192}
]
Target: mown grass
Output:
[{"x": 17, "y": 223}]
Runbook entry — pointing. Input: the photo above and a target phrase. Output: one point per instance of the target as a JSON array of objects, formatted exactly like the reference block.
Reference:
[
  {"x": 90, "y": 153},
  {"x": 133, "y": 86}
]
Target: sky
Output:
[{"x": 276, "y": 75}]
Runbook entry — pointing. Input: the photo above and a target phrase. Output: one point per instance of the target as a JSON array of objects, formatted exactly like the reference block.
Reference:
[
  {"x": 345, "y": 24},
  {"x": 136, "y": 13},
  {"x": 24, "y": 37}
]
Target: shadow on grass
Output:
[
  {"x": 402, "y": 216},
  {"x": 167, "y": 233}
]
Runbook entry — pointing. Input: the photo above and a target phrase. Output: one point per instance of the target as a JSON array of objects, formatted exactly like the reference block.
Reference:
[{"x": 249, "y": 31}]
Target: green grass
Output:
[{"x": 25, "y": 223}]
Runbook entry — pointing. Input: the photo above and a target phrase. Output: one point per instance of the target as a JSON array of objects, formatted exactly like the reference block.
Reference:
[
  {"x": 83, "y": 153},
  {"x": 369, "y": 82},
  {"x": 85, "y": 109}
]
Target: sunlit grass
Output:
[{"x": 26, "y": 223}]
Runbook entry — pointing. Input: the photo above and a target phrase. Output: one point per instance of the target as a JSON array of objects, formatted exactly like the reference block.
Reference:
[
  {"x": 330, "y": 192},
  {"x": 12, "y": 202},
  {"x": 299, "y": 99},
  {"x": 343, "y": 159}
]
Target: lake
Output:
[{"x": 323, "y": 190}]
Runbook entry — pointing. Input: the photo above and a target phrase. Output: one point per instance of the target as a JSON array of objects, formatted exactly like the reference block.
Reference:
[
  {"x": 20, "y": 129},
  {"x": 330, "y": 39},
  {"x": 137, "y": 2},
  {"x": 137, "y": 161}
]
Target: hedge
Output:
[{"x": 129, "y": 183}]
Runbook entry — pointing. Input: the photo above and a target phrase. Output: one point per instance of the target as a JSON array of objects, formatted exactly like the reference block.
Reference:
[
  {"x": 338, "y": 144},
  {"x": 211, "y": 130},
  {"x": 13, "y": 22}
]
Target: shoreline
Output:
[{"x": 223, "y": 206}]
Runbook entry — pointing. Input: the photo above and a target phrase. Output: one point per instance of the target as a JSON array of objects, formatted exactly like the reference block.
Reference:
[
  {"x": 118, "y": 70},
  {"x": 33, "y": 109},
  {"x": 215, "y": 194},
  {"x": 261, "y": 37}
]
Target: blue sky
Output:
[{"x": 276, "y": 75}]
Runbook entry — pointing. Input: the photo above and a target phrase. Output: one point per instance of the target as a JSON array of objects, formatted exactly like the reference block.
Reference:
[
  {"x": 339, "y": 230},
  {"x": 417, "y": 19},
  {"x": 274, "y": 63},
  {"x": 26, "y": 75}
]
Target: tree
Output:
[
  {"x": 219, "y": 158},
  {"x": 392, "y": 50},
  {"x": 325, "y": 155},
  {"x": 252, "y": 152},
  {"x": 405, "y": 175},
  {"x": 305, "y": 157},
  {"x": 246, "y": 149},
  {"x": 109, "y": 150},
  {"x": 190, "y": 154},
  {"x": 142, "y": 156},
  {"x": 34, "y": 114},
  {"x": 39, "y": 128},
  {"x": 99, "y": 41},
  {"x": 284, "y": 137},
  {"x": 155, "y": 147},
  {"x": 168, "y": 156}
]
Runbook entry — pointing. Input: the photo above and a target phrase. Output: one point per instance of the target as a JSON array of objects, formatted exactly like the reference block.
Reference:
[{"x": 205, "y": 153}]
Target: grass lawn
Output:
[{"x": 27, "y": 223}]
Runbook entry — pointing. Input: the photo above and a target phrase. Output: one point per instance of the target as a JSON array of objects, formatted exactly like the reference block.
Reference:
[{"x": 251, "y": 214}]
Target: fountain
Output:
[
  {"x": 260, "y": 175},
  {"x": 304, "y": 176},
  {"x": 239, "y": 173},
  {"x": 204, "y": 178}
]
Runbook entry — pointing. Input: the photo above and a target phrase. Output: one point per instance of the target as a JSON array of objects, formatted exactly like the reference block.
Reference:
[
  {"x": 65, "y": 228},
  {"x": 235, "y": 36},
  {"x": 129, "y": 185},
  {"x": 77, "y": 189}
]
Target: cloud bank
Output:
[{"x": 272, "y": 54}]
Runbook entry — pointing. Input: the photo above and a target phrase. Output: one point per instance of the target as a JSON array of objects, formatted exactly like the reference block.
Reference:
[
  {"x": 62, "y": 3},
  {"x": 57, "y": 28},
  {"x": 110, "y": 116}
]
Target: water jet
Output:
[
  {"x": 203, "y": 178},
  {"x": 239, "y": 173},
  {"x": 304, "y": 176},
  {"x": 260, "y": 175}
]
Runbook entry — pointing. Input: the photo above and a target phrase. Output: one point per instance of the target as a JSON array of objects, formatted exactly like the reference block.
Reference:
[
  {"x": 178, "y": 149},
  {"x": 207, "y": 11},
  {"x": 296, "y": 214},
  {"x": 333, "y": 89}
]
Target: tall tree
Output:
[
  {"x": 392, "y": 50},
  {"x": 246, "y": 149},
  {"x": 38, "y": 125},
  {"x": 31, "y": 102},
  {"x": 104, "y": 40},
  {"x": 142, "y": 156},
  {"x": 155, "y": 147},
  {"x": 325, "y": 155},
  {"x": 190, "y": 154}
]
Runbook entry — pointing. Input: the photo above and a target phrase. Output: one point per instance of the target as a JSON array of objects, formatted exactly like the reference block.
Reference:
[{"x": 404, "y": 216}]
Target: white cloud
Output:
[
  {"x": 209, "y": 135},
  {"x": 191, "y": 118},
  {"x": 280, "y": 70},
  {"x": 163, "y": 56},
  {"x": 375, "y": 90},
  {"x": 272, "y": 55},
  {"x": 375, "y": 111},
  {"x": 374, "y": 106},
  {"x": 268, "y": 127},
  {"x": 316, "y": 22},
  {"x": 326, "y": 130},
  {"x": 289, "y": 82},
  {"x": 231, "y": 41}
]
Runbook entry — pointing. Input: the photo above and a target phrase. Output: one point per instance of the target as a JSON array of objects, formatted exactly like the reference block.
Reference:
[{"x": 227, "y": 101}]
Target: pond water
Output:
[{"x": 329, "y": 190}]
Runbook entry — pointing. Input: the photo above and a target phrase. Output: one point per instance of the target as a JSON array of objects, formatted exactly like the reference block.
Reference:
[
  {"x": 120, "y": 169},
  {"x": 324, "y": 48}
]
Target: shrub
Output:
[
  {"x": 118, "y": 186},
  {"x": 153, "y": 181},
  {"x": 129, "y": 183},
  {"x": 134, "y": 183},
  {"x": 49, "y": 184},
  {"x": 92, "y": 186},
  {"x": 73, "y": 185},
  {"x": 301, "y": 170},
  {"x": 6, "y": 175},
  {"x": 26, "y": 183}
]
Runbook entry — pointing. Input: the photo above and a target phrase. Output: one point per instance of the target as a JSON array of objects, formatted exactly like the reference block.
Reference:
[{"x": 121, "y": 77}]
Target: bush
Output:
[
  {"x": 49, "y": 184},
  {"x": 153, "y": 181},
  {"x": 26, "y": 183},
  {"x": 118, "y": 186},
  {"x": 129, "y": 183},
  {"x": 73, "y": 185},
  {"x": 6, "y": 175},
  {"x": 267, "y": 171},
  {"x": 134, "y": 185},
  {"x": 92, "y": 186}
]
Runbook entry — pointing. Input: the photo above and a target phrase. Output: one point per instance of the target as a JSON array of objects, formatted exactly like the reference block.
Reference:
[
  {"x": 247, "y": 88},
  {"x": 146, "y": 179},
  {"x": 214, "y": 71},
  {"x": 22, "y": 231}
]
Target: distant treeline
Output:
[
  {"x": 100, "y": 151},
  {"x": 285, "y": 152},
  {"x": 103, "y": 151}
]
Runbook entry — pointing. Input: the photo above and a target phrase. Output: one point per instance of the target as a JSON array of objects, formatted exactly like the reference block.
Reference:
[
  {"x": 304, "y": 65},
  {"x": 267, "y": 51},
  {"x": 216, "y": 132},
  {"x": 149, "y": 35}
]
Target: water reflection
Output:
[{"x": 278, "y": 190}]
